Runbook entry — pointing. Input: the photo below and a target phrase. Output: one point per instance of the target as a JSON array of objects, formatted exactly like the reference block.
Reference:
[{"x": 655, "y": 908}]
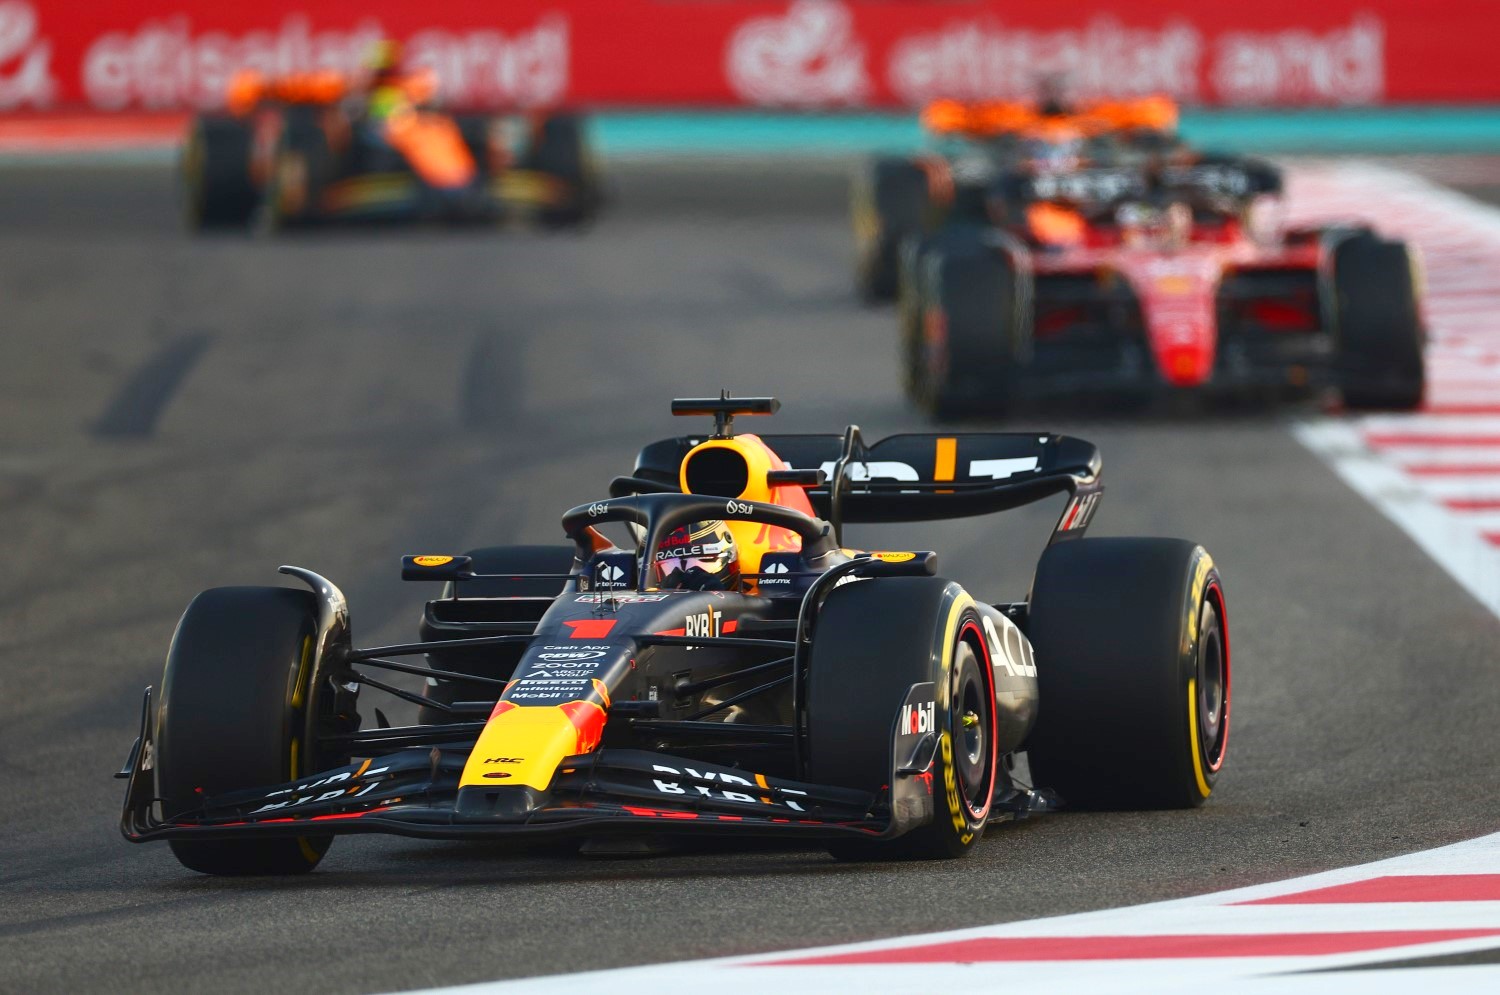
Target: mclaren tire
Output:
[
  {"x": 217, "y": 189},
  {"x": 890, "y": 202},
  {"x": 302, "y": 167},
  {"x": 560, "y": 150}
]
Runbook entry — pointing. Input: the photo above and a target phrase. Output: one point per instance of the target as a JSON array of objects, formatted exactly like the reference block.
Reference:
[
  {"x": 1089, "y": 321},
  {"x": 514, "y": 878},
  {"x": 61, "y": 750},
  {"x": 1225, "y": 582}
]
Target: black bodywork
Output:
[{"x": 705, "y": 692}]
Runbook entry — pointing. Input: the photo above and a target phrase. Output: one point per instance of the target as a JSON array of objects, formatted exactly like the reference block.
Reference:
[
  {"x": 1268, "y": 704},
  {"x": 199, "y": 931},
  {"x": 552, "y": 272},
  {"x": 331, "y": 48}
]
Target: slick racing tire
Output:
[
  {"x": 1380, "y": 334},
  {"x": 1132, "y": 657},
  {"x": 889, "y": 202},
  {"x": 873, "y": 641},
  {"x": 559, "y": 148},
  {"x": 909, "y": 308},
  {"x": 963, "y": 343},
  {"x": 217, "y": 189},
  {"x": 497, "y": 662},
  {"x": 235, "y": 695},
  {"x": 300, "y": 170}
]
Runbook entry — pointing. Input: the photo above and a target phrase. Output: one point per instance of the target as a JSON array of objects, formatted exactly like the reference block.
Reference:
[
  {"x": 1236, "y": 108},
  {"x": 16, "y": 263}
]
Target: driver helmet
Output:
[
  {"x": 383, "y": 58},
  {"x": 701, "y": 556}
]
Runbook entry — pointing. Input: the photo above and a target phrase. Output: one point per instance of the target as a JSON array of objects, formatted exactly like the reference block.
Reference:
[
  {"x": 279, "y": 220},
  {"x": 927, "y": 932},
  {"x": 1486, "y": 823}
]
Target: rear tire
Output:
[
  {"x": 873, "y": 641},
  {"x": 962, "y": 340},
  {"x": 560, "y": 148},
  {"x": 217, "y": 190},
  {"x": 235, "y": 695},
  {"x": 1132, "y": 656},
  {"x": 889, "y": 203},
  {"x": 1379, "y": 325}
]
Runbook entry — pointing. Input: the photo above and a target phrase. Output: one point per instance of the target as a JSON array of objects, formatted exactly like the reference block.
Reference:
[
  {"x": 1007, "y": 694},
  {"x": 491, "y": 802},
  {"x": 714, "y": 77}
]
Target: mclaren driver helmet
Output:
[{"x": 701, "y": 556}]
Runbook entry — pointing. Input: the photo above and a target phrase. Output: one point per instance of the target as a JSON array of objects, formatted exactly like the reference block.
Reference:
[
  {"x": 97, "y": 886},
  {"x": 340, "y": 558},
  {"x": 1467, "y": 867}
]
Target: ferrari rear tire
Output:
[
  {"x": 217, "y": 189},
  {"x": 1132, "y": 655},
  {"x": 492, "y": 661},
  {"x": 874, "y": 641},
  {"x": 234, "y": 699},
  {"x": 1379, "y": 326},
  {"x": 962, "y": 344},
  {"x": 890, "y": 202}
]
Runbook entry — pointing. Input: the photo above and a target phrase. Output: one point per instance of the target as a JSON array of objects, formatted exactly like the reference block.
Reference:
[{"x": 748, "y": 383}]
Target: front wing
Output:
[
  {"x": 415, "y": 792},
  {"x": 401, "y": 195}
]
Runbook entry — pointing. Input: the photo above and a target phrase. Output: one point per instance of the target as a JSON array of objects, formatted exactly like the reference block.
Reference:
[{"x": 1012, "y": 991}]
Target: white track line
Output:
[
  {"x": 1435, "y": 473},
  {"x": 1439, "y": 902}
]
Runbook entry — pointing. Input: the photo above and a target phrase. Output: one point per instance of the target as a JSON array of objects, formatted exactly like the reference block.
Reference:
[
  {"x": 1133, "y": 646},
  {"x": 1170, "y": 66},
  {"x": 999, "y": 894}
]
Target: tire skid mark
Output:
[
  {"x": 489, "y": 384},
  {"x": 136, "y": 409}
]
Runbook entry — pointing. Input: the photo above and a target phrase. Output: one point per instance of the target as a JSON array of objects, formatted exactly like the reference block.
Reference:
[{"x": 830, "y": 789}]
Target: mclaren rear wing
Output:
[{"x": 921, "y": 477}]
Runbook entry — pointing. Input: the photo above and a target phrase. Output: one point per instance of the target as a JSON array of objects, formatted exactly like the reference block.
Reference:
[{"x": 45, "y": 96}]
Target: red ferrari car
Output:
[{"x": 1164, "y": 278}]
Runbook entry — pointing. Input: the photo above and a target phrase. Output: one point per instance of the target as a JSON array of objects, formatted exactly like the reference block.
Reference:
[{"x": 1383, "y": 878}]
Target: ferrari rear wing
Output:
[{"x": 923, "y": 477}]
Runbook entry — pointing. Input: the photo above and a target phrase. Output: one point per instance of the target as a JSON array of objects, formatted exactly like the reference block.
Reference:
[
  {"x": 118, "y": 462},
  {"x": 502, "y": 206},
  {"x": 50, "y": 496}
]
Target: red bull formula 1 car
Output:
[
  {"x": 320, "y": 148},
  {"x": 805, "y": 690},
  {"x": 1159, "y": 278}
]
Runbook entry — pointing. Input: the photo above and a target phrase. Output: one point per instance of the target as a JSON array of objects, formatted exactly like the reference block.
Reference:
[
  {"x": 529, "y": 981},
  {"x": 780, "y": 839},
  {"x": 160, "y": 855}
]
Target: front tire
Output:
[
  {"x": 1132, "y": 657},
  {"x": 217, "y": 189},
  {"x": 236, "y": 694},
  {"x": 874, "y": 641}
]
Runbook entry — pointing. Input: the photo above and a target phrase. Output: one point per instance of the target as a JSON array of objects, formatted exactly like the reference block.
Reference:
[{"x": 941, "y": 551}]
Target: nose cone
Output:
[{"x": 522, "y": 745}]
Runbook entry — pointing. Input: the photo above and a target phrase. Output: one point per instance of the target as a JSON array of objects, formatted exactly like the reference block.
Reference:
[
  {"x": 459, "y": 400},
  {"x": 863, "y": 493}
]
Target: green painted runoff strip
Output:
[{"x": 1382, "y": 130}]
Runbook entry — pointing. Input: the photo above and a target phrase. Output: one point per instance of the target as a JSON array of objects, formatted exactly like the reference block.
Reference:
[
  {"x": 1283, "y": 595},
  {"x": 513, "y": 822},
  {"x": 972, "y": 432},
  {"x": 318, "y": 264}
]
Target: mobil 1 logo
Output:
[{"x": 916, "y": 723}]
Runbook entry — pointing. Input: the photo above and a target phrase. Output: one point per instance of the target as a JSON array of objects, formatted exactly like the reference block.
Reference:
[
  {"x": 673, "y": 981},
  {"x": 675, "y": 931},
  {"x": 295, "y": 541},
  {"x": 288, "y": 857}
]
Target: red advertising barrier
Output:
[{"x": 153, "y": 55}]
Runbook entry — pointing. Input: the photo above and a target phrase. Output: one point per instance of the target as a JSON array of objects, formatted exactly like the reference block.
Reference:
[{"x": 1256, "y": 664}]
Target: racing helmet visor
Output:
[{"x": 694, "y": 550}]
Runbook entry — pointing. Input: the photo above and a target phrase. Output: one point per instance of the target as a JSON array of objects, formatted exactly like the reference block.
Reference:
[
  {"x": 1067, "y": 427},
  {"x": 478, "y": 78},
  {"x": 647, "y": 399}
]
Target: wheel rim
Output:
[
  {"x": 971, "y": 721},
  {"x": 1213, "y": 684}
]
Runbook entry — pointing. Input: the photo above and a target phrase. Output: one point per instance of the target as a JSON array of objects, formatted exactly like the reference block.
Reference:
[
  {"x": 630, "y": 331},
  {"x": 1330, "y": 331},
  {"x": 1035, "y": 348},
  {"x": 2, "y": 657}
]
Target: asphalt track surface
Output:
[{"x": 178, "y": 413}]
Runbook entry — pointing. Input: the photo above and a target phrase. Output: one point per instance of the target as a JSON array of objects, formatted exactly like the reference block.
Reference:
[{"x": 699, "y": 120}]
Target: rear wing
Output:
[
  {"x": 922, "y": 477},
  {"x": 1235, "y": 178}
]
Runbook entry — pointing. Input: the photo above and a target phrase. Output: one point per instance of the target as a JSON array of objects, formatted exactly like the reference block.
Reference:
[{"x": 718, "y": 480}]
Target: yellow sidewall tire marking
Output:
[
  {"x": 950, "y": 779},
  {"x": 1192, "y": 699}
]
